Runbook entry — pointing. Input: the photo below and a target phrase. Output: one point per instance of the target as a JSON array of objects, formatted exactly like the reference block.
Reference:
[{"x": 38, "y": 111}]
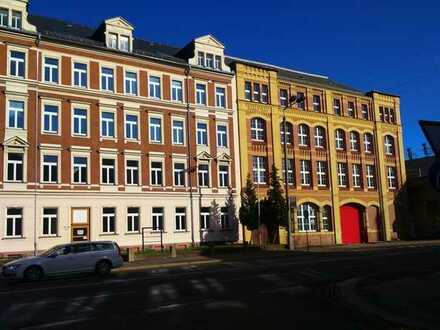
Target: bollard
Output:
[
  {"x": 173, "y": 251},
  {"x": 131, "y": 255}
]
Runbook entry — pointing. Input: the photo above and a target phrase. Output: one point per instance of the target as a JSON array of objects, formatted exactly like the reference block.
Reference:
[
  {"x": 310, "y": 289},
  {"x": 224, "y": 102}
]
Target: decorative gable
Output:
[
  {"x": 224, "y": 157},
  {"x": 208, "y": 52},
  {"x": 118, "y": 34},
  {"x": 204, "y": 156},
  {"x": 15, "y": 142}
]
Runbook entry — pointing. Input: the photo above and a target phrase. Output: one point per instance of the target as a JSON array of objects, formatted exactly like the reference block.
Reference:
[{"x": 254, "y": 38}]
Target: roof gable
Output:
[
  {"x": 209, "y": 40},
  {"x": 119, "y": 22}
]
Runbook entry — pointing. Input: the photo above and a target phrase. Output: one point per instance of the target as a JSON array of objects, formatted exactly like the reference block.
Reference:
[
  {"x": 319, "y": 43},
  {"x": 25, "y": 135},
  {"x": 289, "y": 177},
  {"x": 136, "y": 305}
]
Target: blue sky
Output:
[{"x": 372, "y": 44}]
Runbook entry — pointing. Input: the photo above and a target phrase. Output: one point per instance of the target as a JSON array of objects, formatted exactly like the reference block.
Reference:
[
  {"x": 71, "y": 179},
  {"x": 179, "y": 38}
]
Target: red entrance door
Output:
[{"x": 351, "y": 224}]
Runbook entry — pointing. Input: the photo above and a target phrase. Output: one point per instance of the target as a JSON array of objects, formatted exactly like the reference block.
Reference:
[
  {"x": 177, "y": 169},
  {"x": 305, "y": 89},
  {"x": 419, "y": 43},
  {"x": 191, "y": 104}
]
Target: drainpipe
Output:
[
  {"x": 37, "y": 43},
  {"x": 188, "y": 142}
]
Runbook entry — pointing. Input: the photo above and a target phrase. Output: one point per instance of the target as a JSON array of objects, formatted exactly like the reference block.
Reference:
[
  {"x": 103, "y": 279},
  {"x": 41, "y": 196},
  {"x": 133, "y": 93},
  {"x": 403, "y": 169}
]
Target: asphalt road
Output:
[{"x": 297, "y": 292}]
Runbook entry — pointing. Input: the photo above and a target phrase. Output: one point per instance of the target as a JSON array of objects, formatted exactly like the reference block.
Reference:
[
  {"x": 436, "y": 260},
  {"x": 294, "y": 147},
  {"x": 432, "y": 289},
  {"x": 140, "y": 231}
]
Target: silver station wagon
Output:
[{"x": 81, "y": 257}]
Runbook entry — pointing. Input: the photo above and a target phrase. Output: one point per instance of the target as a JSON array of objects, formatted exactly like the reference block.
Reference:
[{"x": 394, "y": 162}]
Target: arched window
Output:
[
  {"x": 306, "y": 216},
  {"x": 368, "y": 143},
  {"x": 258, "y": 129},
  {"x": 340, "y": 139},
  {"x": 303, "y": 135},
  {"x": 389, "y": 145},
  {"x": 354, "y": 141},
  {"x": 289, "y": 133},
  {"x": 320, "y": 137},
  {"x": 326, "y": 216}
]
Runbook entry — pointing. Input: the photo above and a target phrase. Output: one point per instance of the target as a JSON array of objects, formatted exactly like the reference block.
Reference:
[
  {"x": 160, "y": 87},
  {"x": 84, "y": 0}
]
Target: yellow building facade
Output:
[{"x": 344, "y": 150}]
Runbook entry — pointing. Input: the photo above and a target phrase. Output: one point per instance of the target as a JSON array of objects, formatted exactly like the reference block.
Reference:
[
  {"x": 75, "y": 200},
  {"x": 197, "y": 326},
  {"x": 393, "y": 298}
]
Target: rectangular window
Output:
[
  {"x": 14, "y": 222},
  {"x": 50, "y": 221},
  {"x": 4, "y": 17},
  {"x": 178, "y": 137},
  {"x": 108, "y": 220},
  {"x": 202, "y": 134},
  {"x": 80, "y": 74},
  {"x": 342, "y": 175},
  {"x": 131, "y": 127},
  {"x": 224, "y": 218},
  {"x": 50, "y": 119},
  {"x": 371, "y": 177},
  {"x": 204, "y": 218},
  {"x": 17, "y": 67},
  {"x": 157, "y": 218},
  {"x": 259, "y": 165},
  {"x": 51, "y": 70},
  {"x": 154, "y": 87},
  {"x": 50, "y": 169},
  {"x": 247, "y": 90},
  {"x": 218, "y": 62},
  {"x": 283, "y": 97},
  {"x": 392, "y": 116},
  {"x": 124, "y": 43},
  {"x": 391, "y": 175},
  {"x": 223, "y": 175},
  {"x": 15, "y": 167},
  {"x": 107, "y": 124},
  {"x": 290, "y": 172},
  {"x": 316, "y": 103},
  {"x": 210, "y": 61},
  {"x": 180, "y": 219},
  {"x": 16, "y": 114},
  {"x": 201, "y": 94},
  {"x": 301, "y": 100},
  {"x": 381, "y": 114},
  {"x": 156, "y": 174},
  {"x": 351, "y": 111},
  {"x": 131, "y": 85},
  {"x": 80, "y": 122},
  {"x": 107, "y": 79},
  {"x": 264, "y": 94},
  {"x": 113, "y": 40},
  {"x": 337, "y": 107},
  {"x": 201, "y": 58},
  {"x": 306, "y": 179},
  {"x": 321, "y": 173},
  {"x": 365, "y": 112},
  {"x": 220, "y": 97},
  {"x": 155, "y": 130},
  {"x": 108, "y": 171},
  {"x": 133, "y": 219},
  {"x": 179, "y": 174},
  {"x": 368, "y": 143},
  {"x": 257, "y": 93},
  {"x": 80, "y": 170},
  {"x": 17, "y": 20},
  {"x": 132, "y": 172},
  {"x": 356, "y": 175},
  {"x": 203, "y": 175},
  {"x": 222, "y": 136},
  {"x": 176, "y": 91}
]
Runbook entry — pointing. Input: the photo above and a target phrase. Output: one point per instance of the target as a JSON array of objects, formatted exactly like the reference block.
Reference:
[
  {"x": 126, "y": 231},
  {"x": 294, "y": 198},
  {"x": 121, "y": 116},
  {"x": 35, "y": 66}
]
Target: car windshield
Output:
[{"x": 51, "y": 251}]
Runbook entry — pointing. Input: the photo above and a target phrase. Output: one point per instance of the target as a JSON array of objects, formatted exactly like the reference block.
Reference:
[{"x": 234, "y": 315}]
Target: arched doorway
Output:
[{"x": 351, "y": 224}]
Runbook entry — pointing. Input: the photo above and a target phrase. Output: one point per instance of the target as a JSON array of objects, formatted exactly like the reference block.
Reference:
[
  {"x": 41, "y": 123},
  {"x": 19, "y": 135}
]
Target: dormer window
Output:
[
  {"x": 201, "y": 59},
  {"x": 4, "y": 17},
  {"x": 124, "y": 43},
  {"x": 16, "y": 20},
  {"x": 210, "y": 61},
  {"x": 218, "y": 62},
  {"x": 113, "y": 41}
]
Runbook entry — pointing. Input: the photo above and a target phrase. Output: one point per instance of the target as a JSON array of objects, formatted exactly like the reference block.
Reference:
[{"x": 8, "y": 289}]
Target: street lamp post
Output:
[{"x": 293, "y": 99}]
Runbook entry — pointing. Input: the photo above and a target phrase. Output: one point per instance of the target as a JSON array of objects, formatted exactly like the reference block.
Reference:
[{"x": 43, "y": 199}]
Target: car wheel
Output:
[
  {"x": 33, "y": 273},
  {"x": 103, "y": 268}
]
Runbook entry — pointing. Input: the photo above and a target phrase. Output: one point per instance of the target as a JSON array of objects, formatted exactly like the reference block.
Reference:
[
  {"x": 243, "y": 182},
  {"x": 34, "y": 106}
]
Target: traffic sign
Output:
[
  {"x": 431, "y": 129},
  {"x": 434, "y": 175}
]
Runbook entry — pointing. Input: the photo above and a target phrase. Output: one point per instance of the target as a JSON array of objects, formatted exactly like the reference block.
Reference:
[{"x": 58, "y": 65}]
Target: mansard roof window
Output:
[
  {"x": 4, "y": 17},
  {"x": 124, "y": 43},
  {"x": 16, "y": 20},
  {"x": 113, "y": 40}
]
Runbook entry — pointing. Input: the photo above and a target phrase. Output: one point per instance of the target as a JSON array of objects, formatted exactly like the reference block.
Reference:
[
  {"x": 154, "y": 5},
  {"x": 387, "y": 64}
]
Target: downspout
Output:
[
  {"x": 188, "y": 142},
  {"x": 37, "y": 43}
]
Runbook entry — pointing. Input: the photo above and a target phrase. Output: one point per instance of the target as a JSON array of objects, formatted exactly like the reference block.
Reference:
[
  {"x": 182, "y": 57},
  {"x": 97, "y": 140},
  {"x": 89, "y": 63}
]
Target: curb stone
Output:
[{"x": 166, "y": 265}]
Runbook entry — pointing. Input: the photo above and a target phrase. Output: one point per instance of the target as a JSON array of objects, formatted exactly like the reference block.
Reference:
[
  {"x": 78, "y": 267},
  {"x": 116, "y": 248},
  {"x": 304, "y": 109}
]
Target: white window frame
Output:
[
  {"x": 157, "y": 219},
  {"x": 175, "y": 90},
  {"x": 303, "y": 135},
  {"x": 356, "y": 171},
  {"x": 17, "y": 62},
  {"x": 305, "y": 172},
  {"x": 81, "y": 119},
  {"x": 204, "y": 174},
  {"x": 50, "y": 164},
  {"x": 179, "y": 174},
  {"x": 155, "y": 129},
  {"x": 107, "y": 168},
  {"x": 201, "y": 93},
  {"x": 49, "y": 218},
  {"x": 80, "y": 72},
  {"x": 290, "y": 173},
  {"x": 389, "y": 145},
  {"x": 222, "y": 175},
  {"x": 16, "y": 112},
  {"x": 317, "y": 105},
  {"x": 154, "y": 172},
  {"x": 130, "y": 171},
  {"x": 58, "y": 117},
  {"x": 178, "y": 133},
  {"x": 354, "y": 141},
  {"x": 371, "y": 177},
  {"x": 131, "y": 127},
  {"x": 87, "y": 166},
  {"x": 258, "y": 132},
  {"x": 131, "y": 81},
  {"x": 124, "y": 41},
  {"x": 368, "y": 145},
  {"x": 259, "y": 171},
  {"x": 107, "y": 123},
  {"x": 14, "y": 218},
  {"x": 222, "y": 137},
  {"x": 306, "y": 218},
  {"x": 392, "y": 178},
  {"x": 319, "y": 137},
  {"x": 15, "y": 164},
  {"x": 321, "y": 173},
  {"x": 340, "y": 139},
  {"x": 180, "y": 218},
  {"x": 107, "y": 78},
  {"x": 107, "y": 218},
  {"x": 342, "y": 175},
  {"x": 204, "y": 219},
  {"x": 202, "y": 134},
  {"x": 153, "y": 87},
  {"x": 51, "y": 67},
  {"x": 220, "y": 97},
  {"x": 131, "y": 219}
]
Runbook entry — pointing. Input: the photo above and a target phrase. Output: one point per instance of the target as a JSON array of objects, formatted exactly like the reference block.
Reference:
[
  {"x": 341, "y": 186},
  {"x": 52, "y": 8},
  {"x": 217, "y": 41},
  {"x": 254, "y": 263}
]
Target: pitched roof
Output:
[
  {"x": 299, "y": 77},
  {"x": 71, "y": 32}
]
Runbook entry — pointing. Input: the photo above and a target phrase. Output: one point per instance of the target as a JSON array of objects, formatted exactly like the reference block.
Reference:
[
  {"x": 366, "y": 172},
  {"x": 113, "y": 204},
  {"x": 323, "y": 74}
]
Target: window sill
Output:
[
  {"x": 132, "y": 233},
  {"x": 80, "y": 136},
  {"x": 49, "y": 236},
  {"x": 13, "y": 237},
  {"x": 181, "y": 231},
  {"x": 109, "y": 234}
]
